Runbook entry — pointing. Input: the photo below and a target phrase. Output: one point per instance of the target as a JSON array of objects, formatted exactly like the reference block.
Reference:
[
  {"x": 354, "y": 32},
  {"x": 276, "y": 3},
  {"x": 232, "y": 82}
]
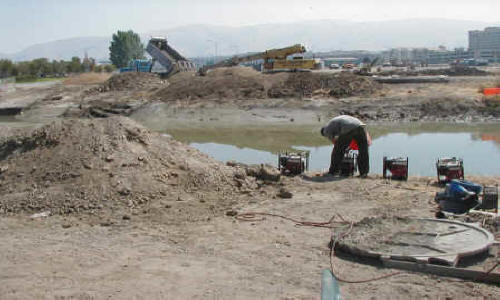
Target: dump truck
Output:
[
  {"x": 137, "y": 65},
  {"x": 166, "y": 61}
]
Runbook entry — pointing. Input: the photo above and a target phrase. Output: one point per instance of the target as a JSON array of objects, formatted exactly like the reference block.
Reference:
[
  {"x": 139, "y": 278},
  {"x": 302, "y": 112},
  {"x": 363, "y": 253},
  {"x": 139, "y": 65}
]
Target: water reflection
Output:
[{"x": 477, "y": 145}]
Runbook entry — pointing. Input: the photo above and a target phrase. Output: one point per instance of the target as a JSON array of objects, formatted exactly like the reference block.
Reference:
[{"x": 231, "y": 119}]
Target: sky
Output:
[{"x": 27, "y": 22}]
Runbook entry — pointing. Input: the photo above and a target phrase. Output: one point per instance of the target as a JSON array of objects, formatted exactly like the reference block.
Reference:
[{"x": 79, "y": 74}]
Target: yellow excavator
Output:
[{"x": 275, "y": 60}]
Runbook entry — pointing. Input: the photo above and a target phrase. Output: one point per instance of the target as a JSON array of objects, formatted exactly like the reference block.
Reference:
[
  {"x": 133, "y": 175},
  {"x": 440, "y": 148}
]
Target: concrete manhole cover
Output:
[{"x": 421, "y": 240}]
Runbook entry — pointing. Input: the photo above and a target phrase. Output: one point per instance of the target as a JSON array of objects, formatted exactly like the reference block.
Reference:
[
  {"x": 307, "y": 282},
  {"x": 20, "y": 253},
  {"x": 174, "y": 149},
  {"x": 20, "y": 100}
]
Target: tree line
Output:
[
  {"x": 43, "y": 68},
  {"x": 125, "y": 46}
]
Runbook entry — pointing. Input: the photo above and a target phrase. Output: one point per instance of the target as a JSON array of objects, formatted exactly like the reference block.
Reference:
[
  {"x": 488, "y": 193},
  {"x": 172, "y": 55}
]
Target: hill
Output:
[{"x": 322, "y": 35}]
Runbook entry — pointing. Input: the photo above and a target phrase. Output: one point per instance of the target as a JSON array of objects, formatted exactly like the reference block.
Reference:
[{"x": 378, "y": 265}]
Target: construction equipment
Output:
[
  {"x": 366, "y": 69},
  {"x": 348, "y": 66},
  {"x": 349, "y": 163},
  {"x": 490, "y": 198},
  {"x": 137, "y": 65},
  {"x": 449, "y": 168},
  {"x": 166, "y": 60},
  {"x": 293, "y": 163},
  {"x": 275, "y": 60},
  {"x": 396, "y": 166}
]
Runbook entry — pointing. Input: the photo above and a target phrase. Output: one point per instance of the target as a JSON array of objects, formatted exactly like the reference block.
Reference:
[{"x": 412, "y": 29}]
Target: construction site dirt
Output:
[
  {"x": 96, "y": 205},
  {"x": 306, "y": 97}
]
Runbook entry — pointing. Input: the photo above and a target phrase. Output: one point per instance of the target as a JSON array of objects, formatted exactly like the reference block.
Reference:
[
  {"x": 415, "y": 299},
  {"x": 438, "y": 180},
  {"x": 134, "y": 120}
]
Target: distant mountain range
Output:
[{"x": 317, "y": 36}]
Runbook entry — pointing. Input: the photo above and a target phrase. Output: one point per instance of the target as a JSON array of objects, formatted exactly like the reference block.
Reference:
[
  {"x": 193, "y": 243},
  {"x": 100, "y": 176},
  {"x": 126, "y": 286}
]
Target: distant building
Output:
[
  {"x": 424, "y": 56},
  {"x": 444, "y": 56},
  {"x": 341, "y": 60},
  {"x": 405, "y": 56},
  {"x": 485, "y": 44}
]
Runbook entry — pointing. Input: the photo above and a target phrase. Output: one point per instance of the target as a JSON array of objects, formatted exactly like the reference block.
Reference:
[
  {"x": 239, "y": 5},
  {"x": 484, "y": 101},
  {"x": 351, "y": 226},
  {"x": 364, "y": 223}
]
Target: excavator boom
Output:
[{"x": 274, "y": 54}]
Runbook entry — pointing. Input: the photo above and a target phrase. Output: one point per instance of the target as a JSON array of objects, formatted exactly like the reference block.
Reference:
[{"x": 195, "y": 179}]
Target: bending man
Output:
[{"x": 341, "y": 131}]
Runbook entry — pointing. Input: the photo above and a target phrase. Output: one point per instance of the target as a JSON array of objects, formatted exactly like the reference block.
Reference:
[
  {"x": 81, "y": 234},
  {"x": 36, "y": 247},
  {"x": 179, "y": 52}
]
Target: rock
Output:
[
  {"x": 240, "y": 174},
  {"x": 231, "y": 213},
  {"x": 126, "y": 217},
  {"x": 124, "y": 192},
  {"x": 232, "y": 163},
  {"x": 269, "y": 173},
  {"x": 109, "y": 158},
  {"x": 285, "y": 194},
  {"x": 3, "y": 169},
  {"x": 66, "y": 225},
  {"x": 40, "y": 215},
  {"x": 75, "y": 175},
  {"x": 263, "y": 172}
]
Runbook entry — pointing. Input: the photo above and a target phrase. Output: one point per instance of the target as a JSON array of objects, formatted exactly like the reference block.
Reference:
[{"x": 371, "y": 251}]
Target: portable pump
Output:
[
  {"x": 349, "y": 163},
  {"x": 396, "y": 166},
  {"x": 450, "y": 168},
  {"x": 293, "y": 163}
]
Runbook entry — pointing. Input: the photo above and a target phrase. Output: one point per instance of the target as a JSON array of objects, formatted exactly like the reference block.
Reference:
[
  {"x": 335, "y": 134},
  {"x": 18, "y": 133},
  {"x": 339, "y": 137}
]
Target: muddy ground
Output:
[
  {"x": 243, "y": 95},
  {"x": 99, "y": 208}
]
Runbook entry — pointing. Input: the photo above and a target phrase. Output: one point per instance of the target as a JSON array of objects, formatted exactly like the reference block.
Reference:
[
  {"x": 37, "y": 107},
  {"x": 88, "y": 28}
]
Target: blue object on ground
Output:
[
  {"x": 470, "y": 186},
  {"x": 457, "y": 190},
  {"x": 330, "y": 289},
  {"x": 459, "y": 196}
]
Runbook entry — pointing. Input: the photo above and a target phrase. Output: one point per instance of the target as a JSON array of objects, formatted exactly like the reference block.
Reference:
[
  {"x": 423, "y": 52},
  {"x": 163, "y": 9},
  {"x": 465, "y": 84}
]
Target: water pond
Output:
[{"x": 478, "y": 145}]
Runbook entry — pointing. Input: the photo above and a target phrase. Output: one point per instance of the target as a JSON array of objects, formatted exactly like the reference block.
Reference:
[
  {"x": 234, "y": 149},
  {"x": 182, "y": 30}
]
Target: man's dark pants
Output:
[{"x": 359, "y": 135}]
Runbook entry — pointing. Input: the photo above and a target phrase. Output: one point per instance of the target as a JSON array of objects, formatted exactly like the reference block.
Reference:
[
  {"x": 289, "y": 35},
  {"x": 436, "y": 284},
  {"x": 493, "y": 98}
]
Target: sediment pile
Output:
[
  {"x": 222, "y": 83},
  {"x": 246, "y": 83},
  {"x": 83, "y": 165},
  {"x": 130, "y": 81},
  {"x": 338, "y": 85}
]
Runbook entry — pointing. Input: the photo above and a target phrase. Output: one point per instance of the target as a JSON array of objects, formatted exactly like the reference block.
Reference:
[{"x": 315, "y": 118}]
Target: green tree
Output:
[
  {"x": 58, "y": 67},
  {"x": 23, "y": 68},
  {"x": 39, "y": 67},
  {"x": 7, "y": 68},
  {"x": 109, "y": 68},
  {"x": 125, "y": 46},
  {"x": 98, "y": 68},
  {"x": 75, "y": 65}
]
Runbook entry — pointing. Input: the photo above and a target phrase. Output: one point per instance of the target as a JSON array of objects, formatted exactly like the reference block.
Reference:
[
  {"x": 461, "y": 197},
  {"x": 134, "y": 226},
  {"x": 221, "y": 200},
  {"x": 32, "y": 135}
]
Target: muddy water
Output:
[{"x": 478, "y": 145}]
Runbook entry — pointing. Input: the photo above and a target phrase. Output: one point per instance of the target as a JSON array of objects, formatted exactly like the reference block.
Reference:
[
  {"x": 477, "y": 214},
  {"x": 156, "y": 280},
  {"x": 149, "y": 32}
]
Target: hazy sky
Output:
[{"x": 27, "y": 22}]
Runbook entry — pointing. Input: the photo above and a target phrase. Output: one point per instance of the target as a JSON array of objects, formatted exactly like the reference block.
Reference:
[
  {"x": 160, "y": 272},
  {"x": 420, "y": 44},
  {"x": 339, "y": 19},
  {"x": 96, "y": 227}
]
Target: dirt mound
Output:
[
  {"x": 87, "y": 78},
  {"x": 89, "y": 165},
  {"x": 223, "y": 83},
  {"x": 246, "y": 83},
  {"x": 130, "y": 81},
  {"x": 338, "y": 85}
]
